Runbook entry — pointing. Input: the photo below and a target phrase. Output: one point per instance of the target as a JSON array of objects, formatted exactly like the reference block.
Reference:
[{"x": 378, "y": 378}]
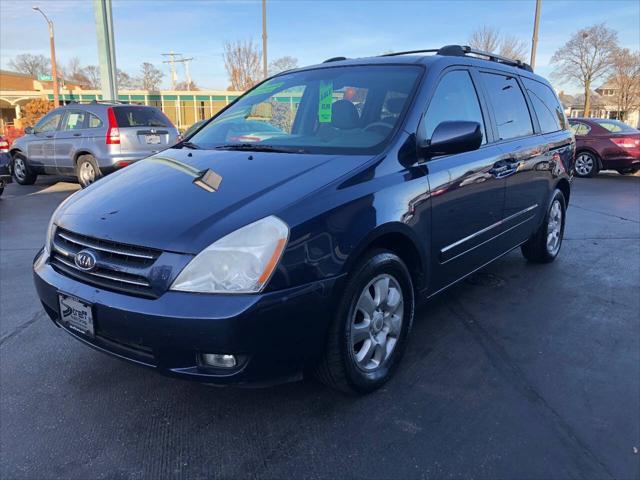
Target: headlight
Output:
[
  {"x": 241, "y": 262},
  {"x": 52, "y": 226}
]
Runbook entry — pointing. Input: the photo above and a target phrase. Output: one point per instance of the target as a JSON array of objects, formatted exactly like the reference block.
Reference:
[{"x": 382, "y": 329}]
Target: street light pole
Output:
[
  {"x": 534, "y": 39},
  {"x": 265, "y": 69},
  {"x": 54, "y": 67}
]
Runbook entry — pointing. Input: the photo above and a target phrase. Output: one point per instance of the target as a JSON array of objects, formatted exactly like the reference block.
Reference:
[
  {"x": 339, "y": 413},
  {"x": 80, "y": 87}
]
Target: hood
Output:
[{"x": 155, "y": 202}]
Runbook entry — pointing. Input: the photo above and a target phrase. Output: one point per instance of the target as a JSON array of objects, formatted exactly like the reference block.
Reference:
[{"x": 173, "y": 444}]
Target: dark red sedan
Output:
[{"x": 603, "y": 144}]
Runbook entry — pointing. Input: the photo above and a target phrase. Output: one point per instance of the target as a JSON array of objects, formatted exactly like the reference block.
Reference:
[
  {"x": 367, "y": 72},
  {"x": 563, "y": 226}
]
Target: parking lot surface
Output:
[{"x": 528, "y": 371}]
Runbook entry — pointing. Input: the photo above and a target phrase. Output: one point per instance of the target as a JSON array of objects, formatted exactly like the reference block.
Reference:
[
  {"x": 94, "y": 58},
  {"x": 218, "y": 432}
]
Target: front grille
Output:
[{"x": 120, "y": 267}]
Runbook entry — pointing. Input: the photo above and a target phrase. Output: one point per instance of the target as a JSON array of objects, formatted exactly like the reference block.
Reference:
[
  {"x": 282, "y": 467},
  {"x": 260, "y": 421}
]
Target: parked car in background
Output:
[
  {"x": 189, "y": 131},
  {"x": 240, "y": 262},
  {"x": 603, "y": 144},
  {"x": 5, "y": 164},
  {"x": 90, "y": 140}
]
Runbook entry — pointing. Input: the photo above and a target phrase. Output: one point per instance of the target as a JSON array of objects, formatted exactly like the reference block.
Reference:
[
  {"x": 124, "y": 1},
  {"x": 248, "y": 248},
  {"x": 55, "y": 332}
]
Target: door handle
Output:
[
  {"x": 77, "y": 134},
  {"x": 49, "y": 136},
  {"x": 504, "y": 168}
]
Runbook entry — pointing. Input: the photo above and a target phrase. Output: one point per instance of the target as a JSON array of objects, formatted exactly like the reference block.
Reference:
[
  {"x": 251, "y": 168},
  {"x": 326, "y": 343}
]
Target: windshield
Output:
[
  {"x": 614, "y": 126},
  {"x": 351, "y": 110}
]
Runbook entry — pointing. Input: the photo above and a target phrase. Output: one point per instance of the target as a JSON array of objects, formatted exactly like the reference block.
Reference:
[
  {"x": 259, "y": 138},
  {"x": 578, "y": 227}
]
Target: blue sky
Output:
[{"x": 308, "y": 30}]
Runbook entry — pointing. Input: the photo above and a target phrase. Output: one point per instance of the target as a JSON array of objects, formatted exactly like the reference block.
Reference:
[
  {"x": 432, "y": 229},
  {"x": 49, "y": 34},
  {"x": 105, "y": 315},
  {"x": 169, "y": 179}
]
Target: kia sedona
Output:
[
  {"x": 604, "y": 144},
  {"x": 383, "y": 181},
  {"x": 89, "y": 141}
]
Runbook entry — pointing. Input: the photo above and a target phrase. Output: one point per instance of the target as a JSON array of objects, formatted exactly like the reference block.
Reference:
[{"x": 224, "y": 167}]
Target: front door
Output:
[
  {"x": 41, "y": 142},
  {"x": 466, "y": 190}
]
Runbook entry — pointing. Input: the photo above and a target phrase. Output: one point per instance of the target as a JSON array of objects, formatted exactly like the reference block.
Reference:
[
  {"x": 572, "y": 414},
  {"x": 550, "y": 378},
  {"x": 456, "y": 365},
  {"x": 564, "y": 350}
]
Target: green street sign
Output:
[{"x": 45, "y": 78}]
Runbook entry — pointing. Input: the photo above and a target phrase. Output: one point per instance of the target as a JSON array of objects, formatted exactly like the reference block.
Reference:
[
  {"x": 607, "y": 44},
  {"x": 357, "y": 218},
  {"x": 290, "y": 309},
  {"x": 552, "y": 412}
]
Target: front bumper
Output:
[{"x": 273, "y": 334}]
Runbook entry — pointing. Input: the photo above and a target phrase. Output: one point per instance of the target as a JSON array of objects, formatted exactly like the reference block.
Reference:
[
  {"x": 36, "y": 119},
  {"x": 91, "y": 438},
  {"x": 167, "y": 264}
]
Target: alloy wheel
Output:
[
  {"x": 376, "y": 322},
  {"x": 19, "y": 168},
  {"x": 87, "y": 173},
  {"x": 584, "y": 164},
  {"x": 554, "y": 228}
]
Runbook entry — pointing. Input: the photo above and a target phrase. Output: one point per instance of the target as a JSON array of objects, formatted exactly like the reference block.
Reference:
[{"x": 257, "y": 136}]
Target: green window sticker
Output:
[
  {"x": 325, "y": 99},
  {"x": 265, "y": 88}
]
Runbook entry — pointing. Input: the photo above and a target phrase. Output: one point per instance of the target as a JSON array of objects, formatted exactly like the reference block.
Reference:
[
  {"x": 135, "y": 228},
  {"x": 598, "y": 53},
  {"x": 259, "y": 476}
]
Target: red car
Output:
[{"x": 603, "y": 144}]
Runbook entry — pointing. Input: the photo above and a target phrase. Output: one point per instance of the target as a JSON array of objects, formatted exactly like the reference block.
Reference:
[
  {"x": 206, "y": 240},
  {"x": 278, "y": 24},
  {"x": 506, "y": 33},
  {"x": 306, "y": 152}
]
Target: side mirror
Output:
[
  {"x": 29, "y": 131},
  {"x": 453, "y": 137}
]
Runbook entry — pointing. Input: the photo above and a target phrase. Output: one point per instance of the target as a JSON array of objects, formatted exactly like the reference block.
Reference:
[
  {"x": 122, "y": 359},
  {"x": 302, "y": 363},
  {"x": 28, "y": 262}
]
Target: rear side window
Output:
[
  {"x": 614, "y": 126},
  {"x": 94, "y": 122},
  {"x": 546, "y": 105},
  {"x": 140, "y": 117},
  {"x": 455, "y": 98},
  {"x": 509, "y": 106}
]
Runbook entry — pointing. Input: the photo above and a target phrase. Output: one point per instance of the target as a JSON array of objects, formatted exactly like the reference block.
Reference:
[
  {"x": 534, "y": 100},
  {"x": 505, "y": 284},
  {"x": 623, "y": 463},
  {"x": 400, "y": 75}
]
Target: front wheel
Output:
[
  {"x": 22, "y": 173},
  {"x": 369, "y": 332},
  {"x": 586, "y": 165},
  {"x": 544, "y": 245}
]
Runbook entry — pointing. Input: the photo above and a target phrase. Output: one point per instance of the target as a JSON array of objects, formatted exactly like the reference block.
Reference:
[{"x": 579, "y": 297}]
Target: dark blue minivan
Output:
[{"x": 295, "y": 231}]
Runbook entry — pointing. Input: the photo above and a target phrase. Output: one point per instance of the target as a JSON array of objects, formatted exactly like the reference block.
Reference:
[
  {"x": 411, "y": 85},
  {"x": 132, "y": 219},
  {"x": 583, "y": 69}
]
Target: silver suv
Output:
[{"x": 90, "y": 140}]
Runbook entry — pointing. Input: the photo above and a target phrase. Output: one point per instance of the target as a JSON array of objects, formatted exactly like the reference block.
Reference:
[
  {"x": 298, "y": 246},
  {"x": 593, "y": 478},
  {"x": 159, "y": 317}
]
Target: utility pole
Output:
[
  {"x": 54, "y": 66},
  {"x": 265, "y": 68},
  {"x": 106, "y": 49},
  {"x": 172, "y": 64},
  {"x": 187, "y": 74},
  {"x": 534, "y": 39}
]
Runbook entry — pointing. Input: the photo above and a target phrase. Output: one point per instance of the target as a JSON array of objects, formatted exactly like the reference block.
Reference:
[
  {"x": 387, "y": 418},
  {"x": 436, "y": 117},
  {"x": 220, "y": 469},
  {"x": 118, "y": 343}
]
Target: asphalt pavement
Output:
[{"x": 521, "y": 371}]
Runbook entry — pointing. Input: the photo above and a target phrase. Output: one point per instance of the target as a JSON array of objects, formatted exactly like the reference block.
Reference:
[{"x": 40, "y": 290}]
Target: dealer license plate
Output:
[{"x": 76, "y": 314}]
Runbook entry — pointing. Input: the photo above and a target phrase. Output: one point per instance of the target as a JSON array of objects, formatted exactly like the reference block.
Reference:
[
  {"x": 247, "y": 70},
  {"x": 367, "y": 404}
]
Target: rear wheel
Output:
[
  {"x": 22, "y": 173},
  {"x": 369, "y": 332},
  {"x": 586, "y": 165},
  {"x": 87, "y": 170},
  {"x": 628, "y": 171},
  {"x": 544, "y": 245}
]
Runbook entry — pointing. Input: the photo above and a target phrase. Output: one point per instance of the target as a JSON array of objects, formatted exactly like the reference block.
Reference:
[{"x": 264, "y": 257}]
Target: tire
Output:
[
  {"x": 362, "y": 366},
  {"x": 540, "y": 248},
  {"x": 87, "y": 170},
  {"x": 587, "y": 165},
  {"x": 630, "y": 171},
  {"x": 22, "y": 173},
  {"x": 1, "y": 190}
]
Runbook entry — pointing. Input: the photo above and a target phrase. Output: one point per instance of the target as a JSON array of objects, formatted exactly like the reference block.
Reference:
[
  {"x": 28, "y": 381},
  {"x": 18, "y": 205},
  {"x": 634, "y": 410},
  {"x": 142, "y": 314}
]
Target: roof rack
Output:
[
  {"x": 109, "y": 102},
  {"x": 334, "y": 59},
  {"x": 462, "y": 51}
]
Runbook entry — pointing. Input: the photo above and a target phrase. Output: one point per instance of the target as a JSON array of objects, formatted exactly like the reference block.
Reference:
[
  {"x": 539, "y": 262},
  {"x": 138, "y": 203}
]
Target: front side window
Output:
[
  {"x": 74, "y": 120},
  {"x": 350, "y": 110},
  {"x": 509, "y": 106},
  {"x": 49, "y": 123},
  {"x": 580, "y": 129},
  {"x": 455, "y": 98},
  {"x": 547, "y": 107}
]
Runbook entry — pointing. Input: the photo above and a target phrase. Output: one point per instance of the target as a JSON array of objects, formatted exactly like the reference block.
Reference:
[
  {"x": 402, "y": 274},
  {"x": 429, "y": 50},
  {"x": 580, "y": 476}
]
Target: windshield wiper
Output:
[
  {"x": 190, "y": 145},
  {"x": 258, "y": 147}
]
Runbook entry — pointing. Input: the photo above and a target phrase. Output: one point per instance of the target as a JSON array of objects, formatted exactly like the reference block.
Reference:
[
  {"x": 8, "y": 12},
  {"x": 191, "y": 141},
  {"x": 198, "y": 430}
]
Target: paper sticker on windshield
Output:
[
  {"x": 265, "y": 88},
  {"x": 325, "y": 99}
]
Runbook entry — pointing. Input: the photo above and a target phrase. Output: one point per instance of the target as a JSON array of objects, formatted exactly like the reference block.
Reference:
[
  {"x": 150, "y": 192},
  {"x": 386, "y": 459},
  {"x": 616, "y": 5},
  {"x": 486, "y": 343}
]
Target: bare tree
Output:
[
  {"x": 513, "y": 47},
  {"x": 490, "y": 39},
  {"x": 126, "y": 81},
  {"x": 185, "y": 86},
  {"x": 282, "y": 64},
  {"x": 586, "y": 57},
  {"x": 626, "y": 78},
  {"x": 92, "y": 72},
  {"x": 32, "y": 65},
  {"x": 485, "y": 38},
  {"x": 75, "y": 73},
  {"x": 151, "y": 76},
  {"x": 243, "y": 63}
]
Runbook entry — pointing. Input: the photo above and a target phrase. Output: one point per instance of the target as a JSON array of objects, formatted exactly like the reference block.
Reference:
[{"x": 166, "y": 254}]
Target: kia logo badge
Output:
[{"x": 85, "y": 260}]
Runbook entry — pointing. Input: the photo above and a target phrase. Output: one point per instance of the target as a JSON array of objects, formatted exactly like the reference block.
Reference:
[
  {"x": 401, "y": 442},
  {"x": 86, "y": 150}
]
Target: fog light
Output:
[{"x": 218, "y": 360}]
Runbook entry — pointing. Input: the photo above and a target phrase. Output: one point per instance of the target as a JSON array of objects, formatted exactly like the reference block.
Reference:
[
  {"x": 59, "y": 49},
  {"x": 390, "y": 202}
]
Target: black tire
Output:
[
  {"x": 1, "y": 190},
  {"x": 22, "y": 172},
  {"x": 87, "y": 170},
  {"x": 339, "y": 368},
  {"x": 537, "y": 248},
  {"x": 630, "y": 171},
  {"x": 587, "y": 165}
]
